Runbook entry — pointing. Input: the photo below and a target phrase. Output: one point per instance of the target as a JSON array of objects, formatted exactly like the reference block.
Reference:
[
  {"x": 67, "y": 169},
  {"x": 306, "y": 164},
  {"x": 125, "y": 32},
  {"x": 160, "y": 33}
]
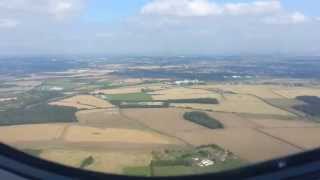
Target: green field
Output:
[
  {"x": 107, "y": 85},
  {"x": 137, "y": 171},
  {"x": 195, "y": 101},
  {"x": 39, "y": 113},
  {"x": 32, "y": 107},
  {"x": 139, "y": 104},
  {"x": 129, "y": 97},
  {"x": 30, "y": 98},
  {"x": 186, "y": 161},
  {"x": 191, "y": 170},
  {"x": 203, "y": 119}
]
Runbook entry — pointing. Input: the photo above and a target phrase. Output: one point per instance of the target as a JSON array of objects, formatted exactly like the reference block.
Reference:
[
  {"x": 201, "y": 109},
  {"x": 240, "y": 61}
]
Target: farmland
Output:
[
  {"x": 311, "y": 106},
  {"x": 129, "y": 97},
  {"x": 183, "y": 93},
  {"x": 238, "y": 104},
  {"x": 83, "y": 102},
  {"x": 101, "y": 127},
  {"x": 107, "y": 118},
  {"x": 88, "y": 134}
]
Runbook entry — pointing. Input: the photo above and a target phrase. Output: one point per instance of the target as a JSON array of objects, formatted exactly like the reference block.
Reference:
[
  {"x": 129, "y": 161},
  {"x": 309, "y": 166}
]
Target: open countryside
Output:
[{"x": 102, "y": 120}]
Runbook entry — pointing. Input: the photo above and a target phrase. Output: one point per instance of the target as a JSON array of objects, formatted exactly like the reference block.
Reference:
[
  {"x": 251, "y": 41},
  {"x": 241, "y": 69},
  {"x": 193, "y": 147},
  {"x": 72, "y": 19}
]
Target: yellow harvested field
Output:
[
  {"x": 262, "y": 91},
  {"x": 230, "y": 120},
  {"x": 183, "y": 93},
  {"x": 294, "y": 92},
  {"x": 78, "y": 134},
  {"x": 112, "y": 162},
  {"x": 236, "y": 103},
  {"x": 83, "y": 102},
  {"x": 26, "y": 133},
  {"x": 265, "y": 92},
  {"x": 307, "y": 138},
  {"x": 115, "y": 162},
  {"x": 68, "y": 158},
  {"x": 167, "y": 120},
  {"x": 275, "y": 123},
  {"x": 244, "y": 142},
  {"x": 119, "y": 90},
  {"x": 106, "y": 118}
]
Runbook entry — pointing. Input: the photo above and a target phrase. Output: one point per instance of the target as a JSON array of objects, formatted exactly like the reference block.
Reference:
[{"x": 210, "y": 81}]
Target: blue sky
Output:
[
  {"x": 161, "y": 27},
  {"x": 112, "y": 10}
]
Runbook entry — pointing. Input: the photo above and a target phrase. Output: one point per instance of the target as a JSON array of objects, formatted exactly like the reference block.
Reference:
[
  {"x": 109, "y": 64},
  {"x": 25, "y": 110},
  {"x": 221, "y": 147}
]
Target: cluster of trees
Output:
[
  {"x": 40, "y": 113},
  {"x": 32, "y": 108},
  {"x": 203, "y": 119}
]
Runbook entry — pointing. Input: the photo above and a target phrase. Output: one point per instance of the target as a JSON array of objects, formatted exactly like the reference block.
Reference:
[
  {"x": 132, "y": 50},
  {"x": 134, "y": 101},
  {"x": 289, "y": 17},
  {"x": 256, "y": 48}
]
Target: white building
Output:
[
  {"x": 186, "y": 82},
  {"x": 206, "y": 162}
]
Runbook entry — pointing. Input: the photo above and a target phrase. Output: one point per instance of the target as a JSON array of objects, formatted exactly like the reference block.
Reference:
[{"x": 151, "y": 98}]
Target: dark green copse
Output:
[{"x": 203, "y": 119}]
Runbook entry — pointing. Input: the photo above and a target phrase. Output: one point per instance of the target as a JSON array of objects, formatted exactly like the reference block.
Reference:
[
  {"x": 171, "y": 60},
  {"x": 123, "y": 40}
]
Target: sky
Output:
[{"x": 159, "y": 27}]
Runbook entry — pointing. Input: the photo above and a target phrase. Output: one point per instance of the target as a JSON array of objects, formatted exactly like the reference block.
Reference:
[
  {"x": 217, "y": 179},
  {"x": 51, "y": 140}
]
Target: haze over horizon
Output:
[{"x": 159, "y": 27}]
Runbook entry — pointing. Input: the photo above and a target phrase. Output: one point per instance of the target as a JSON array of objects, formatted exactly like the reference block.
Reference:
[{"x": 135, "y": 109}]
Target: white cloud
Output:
[
  {"x": 181, "y": 8},
  {"x": 298, "y": 17},
  {"x": 187, "y": 8},
  {"x": 61, "y": 9},
  {"x": 257, "y": 7},
  {"x": 8, "y": 23},
  {"x": 293, "y": 18},
  {"x": 266, "y": 11}
]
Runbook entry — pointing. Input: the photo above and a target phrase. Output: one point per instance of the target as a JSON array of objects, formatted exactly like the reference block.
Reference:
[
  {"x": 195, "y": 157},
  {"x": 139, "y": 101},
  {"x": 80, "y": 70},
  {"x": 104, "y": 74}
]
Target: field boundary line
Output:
[
  {"x": 280, "y": 139},
  {"x": 64, "y": 132},
  {"x": 265, "y": 101},
  {"x": 155, "y": 130}
]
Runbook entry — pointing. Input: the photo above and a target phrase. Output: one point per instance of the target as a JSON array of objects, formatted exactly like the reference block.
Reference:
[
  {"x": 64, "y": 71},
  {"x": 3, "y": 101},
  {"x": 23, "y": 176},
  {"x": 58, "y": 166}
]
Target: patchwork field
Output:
[
  {"x": 292, "y": 93},
  {"x": 43, "y": 132},
  {"x": 117, "y": 138},
  {"x": 263, "y": 91},
  {"x": 83, "y": 102},
  {"x": 230, "y": 120},
  {"x": 112, "y": 162},
  {"x": 306, "y": 138},
  {"x": 275, "y": 123},
  {"x": 166, "y": 120},
  {"x": 129, "y": 97},
  {"x": 133, "y": 89},
  {"x": 106, "y": 118},
  {"x": 124, "y": 90},
  {"x": 247, "y": 143},
  {"x": 236, "y": 103},
  {"x": 78, "y": 134},
  {"x": 183, "y": 93},
  {"x": 242, "y": 136}
]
